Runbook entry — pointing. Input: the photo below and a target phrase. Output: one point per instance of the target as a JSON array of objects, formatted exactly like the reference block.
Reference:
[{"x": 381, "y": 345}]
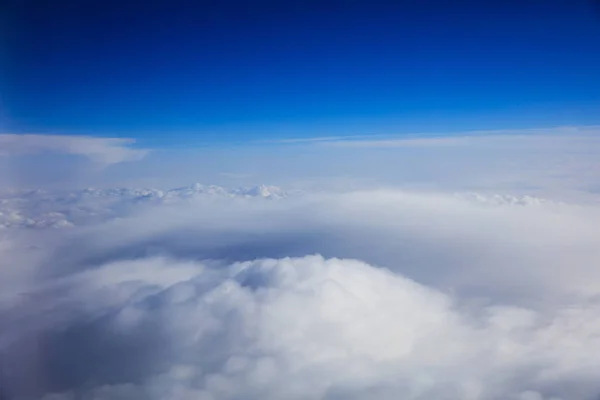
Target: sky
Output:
[
  {"x": 312, "y": 200},
  {"x": 182, "y": 73}
]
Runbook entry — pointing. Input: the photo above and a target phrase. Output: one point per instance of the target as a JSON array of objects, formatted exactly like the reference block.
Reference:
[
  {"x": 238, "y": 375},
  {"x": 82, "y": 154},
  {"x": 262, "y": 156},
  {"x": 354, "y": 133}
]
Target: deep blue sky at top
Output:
[{"x": 203, "y": 70}]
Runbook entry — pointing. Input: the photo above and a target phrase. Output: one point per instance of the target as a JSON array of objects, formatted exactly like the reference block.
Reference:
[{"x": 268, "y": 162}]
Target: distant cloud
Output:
[
  {"x": 101, "y": 150},
  {"x": 402, "y": 142},
  {"x": 319, "y": 139},
  {"x": 41, "y": 209},
  {"x": 447, "y": 139},
  {"x": 493, "y": 140},
  {"x": 235, "y": 175}
]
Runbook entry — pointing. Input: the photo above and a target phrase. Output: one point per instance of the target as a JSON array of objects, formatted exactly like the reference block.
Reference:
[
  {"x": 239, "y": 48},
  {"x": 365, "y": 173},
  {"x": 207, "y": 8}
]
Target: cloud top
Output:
[
  {"x": 292, "y": 328},
  {"x": 371, "y": 294}
]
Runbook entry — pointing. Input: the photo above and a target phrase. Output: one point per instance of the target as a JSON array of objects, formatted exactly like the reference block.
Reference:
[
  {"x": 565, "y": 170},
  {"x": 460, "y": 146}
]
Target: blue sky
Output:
[
  {"x": 181, "y": 72},
  {"x": 407, "y": 207}
]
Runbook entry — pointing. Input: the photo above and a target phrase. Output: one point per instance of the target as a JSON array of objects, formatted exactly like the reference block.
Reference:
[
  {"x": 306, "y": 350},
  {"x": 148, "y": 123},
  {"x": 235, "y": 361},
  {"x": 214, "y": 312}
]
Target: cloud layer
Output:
[
  {"x": 557, "y": 163},
  {"x": 60, "y": 209},
  {"x": 370, "y": 294}
]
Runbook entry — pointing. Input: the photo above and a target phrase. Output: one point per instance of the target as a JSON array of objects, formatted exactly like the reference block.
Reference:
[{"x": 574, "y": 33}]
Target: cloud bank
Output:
[{"x": 378, "y": 294}]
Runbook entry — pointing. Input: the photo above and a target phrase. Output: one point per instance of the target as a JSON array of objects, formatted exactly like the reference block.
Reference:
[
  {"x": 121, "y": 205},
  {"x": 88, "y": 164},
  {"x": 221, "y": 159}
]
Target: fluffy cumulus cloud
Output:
[{"x": 210, "y": 293}]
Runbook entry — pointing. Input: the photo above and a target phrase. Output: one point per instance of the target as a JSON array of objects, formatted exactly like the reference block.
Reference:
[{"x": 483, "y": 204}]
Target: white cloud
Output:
[
  {"x": 478, "y": 280},
  {"x": 415, "y": 296},
  {"x": 235, "y": 175},
  {"x": 535, "y": 136},
  {"x": 65, "y": 209},
  {"x": 560, "y": 163},
  {"x": 101, "y": 150},
  {"x": 556, "y": 163},
  {"x": 303, "y": 328}
]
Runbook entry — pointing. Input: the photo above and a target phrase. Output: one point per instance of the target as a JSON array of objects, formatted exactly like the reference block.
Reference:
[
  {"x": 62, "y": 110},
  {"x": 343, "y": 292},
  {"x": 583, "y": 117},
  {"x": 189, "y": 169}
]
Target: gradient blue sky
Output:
[{"x": 183, "y": 72}]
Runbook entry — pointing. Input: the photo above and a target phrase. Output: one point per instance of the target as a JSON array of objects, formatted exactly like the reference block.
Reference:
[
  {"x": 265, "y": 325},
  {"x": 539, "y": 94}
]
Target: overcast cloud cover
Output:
[{"x": 423, "y": 271}]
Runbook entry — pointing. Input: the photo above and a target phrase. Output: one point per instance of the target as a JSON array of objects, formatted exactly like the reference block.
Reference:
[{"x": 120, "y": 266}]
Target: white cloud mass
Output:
[
  {"x": 101, "y": 150},
  {"x": 210, "y": 293}
]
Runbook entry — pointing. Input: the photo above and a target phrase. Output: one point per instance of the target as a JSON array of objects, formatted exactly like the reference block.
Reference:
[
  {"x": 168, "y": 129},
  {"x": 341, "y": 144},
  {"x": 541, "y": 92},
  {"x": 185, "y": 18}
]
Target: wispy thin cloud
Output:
[
  {"x": 235, "y": 175},
  {"x": 442, "y": 139},
  {"x": 319, "y": 139},
  {"x": 102, "y": 150}
]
